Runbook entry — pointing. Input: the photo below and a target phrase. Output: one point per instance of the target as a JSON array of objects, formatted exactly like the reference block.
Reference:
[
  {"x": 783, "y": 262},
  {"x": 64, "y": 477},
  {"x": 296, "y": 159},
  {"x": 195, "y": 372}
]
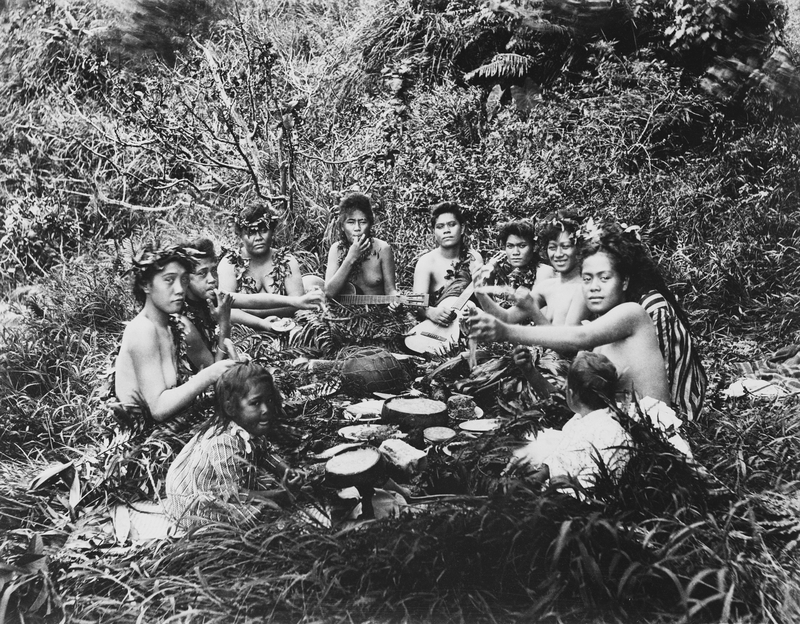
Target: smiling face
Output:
[
  {"x": 519, "y": 251},
  {"x": 562, "y": 253},
  {"x": 203, "y": 280},
  {"x": 603, "y": 286},
  {"x": 356, "y": 224},
  {"x": 167, "y": 289},
  {"x": 255, "y": 411},
  {"x": 447, "y": 230}
]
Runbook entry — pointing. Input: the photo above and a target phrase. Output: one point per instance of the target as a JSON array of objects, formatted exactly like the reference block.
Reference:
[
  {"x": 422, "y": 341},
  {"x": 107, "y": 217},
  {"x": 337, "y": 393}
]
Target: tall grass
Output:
[{"x": 378, "y": 104}]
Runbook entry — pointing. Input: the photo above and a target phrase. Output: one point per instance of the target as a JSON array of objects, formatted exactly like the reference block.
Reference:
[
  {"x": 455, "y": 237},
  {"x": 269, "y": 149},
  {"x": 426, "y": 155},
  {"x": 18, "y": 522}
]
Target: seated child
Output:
[
  {"x": 216, "y": 476},
  {"x": 590, "y": 438}
]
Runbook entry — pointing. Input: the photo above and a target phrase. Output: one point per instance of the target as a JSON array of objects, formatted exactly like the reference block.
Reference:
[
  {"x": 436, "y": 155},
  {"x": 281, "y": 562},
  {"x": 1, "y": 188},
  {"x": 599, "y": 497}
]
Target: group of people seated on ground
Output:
[{"x": 601, "y": 292}]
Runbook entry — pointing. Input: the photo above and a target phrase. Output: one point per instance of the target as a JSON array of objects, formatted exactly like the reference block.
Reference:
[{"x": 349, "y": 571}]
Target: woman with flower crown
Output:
[
  {"x": 152, "y": 394},
  {"x": 266, "y": 281},
  {"x": 151, "y": 368}
]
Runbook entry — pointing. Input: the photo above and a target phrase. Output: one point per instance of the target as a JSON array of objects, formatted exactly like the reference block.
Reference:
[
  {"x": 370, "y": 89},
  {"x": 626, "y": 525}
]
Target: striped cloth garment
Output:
[
  {"x": 685, "y": 373},
  {"x": 204, "y": 481}
]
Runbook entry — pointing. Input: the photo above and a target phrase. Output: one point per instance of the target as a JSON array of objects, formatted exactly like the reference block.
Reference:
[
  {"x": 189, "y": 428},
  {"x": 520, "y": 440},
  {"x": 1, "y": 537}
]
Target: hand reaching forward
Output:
[
  {"x": 314, "y": 298},
  {"x": 486, "y": 328}
]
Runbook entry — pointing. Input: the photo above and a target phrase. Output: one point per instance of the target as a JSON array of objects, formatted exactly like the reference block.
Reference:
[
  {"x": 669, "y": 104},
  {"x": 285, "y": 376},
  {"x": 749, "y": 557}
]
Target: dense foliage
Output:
[{"x": 160, "y": 117}]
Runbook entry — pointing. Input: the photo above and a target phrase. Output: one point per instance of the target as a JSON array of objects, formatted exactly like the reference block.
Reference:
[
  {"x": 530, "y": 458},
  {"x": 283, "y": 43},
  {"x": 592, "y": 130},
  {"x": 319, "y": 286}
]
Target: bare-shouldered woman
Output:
[{"x": 358, "y": 258}]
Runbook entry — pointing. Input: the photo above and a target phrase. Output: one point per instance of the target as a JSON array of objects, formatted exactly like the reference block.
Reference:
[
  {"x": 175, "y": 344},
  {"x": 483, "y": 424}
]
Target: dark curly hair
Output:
[
  {"x": 233, "y": 386},
  {"x": 523, "y": 228},
  {"x": 204, "y": 248},
  {"x": 555, "y": 223},
  {"x": 448, "y": 208},
  {"x": 631, "y": 259}
]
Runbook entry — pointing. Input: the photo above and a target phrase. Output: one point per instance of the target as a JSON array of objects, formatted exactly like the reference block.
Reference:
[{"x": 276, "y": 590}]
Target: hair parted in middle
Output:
[
  {"x": 348, "y": 205},
  {"x": 151, "y": 259}
]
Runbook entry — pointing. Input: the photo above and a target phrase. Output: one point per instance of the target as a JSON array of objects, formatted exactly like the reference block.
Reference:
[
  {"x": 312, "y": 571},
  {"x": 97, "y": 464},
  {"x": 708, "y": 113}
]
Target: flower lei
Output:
[
  {"x": 516, "y": 276},
  {"x": 248, "y": 284}
]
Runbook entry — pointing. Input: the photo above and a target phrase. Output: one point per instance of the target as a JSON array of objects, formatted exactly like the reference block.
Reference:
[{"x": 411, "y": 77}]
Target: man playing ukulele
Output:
[{"x": 446, "y": 270}]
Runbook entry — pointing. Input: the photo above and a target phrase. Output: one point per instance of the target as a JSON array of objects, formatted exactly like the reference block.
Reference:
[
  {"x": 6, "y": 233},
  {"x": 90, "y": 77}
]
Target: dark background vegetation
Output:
[{"x": 140, "y": 118}]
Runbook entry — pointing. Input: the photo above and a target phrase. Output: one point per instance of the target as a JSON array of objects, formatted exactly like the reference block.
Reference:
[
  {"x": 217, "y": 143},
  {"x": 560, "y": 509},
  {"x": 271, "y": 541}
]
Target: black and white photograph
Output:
[{"x": 400, "y": 311}]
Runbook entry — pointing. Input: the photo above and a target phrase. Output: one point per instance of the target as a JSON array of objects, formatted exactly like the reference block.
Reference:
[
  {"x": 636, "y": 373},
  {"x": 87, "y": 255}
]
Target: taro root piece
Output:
[
  {"x": 414, "y": 412},
  {"x": 402, "y": 458}
]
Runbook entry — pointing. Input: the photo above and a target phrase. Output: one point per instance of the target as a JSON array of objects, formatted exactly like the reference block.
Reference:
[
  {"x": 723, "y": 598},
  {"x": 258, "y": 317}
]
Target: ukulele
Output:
[
  {"x": 349, "y": 295},
  {"x": 432, "y": 338}
]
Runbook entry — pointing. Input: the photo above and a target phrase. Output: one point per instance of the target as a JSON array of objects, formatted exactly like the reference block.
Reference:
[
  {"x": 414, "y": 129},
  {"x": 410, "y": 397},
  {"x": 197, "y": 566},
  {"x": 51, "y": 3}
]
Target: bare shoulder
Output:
[
  {"x": 224, "y": 263},
  {"x": 426, "y": 260},
  {"x": 475, "y": 257},
  {"x": 380, "y": 245},
  {"x": 544, "y": 272},
  {"x": 139, "y": 336},
  {"x": 546, "y": 285},
  {"x": 630, "y": 311}
]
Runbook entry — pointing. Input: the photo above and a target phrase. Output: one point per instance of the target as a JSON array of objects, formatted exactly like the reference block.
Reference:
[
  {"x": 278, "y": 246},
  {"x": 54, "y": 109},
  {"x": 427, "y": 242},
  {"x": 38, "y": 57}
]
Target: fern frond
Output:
[{"x": 503, "y": 66}]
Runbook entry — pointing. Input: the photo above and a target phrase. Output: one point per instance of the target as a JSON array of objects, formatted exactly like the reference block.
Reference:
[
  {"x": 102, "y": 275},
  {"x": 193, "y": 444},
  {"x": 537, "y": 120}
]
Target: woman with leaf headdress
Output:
[
  {"x": 153, "y": 395},
  {"x": 150, "y": 368},
  {"x": 266, "y": 281}
]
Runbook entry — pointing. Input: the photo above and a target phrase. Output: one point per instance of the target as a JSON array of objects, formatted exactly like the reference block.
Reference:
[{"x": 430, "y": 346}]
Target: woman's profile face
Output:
[
  {"x": 257, "y": 239},
  {"x": 562, "y": 253},
  {"x": 603, "y": 286},
  {"x": 167, "y": 289},
  {"x": 356, "y": 225}
]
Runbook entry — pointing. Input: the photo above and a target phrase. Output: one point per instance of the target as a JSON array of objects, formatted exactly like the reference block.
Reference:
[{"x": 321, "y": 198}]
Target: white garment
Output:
[
  {"x": 584, "y": 443},
  {"x": 663, "y": 417}
]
